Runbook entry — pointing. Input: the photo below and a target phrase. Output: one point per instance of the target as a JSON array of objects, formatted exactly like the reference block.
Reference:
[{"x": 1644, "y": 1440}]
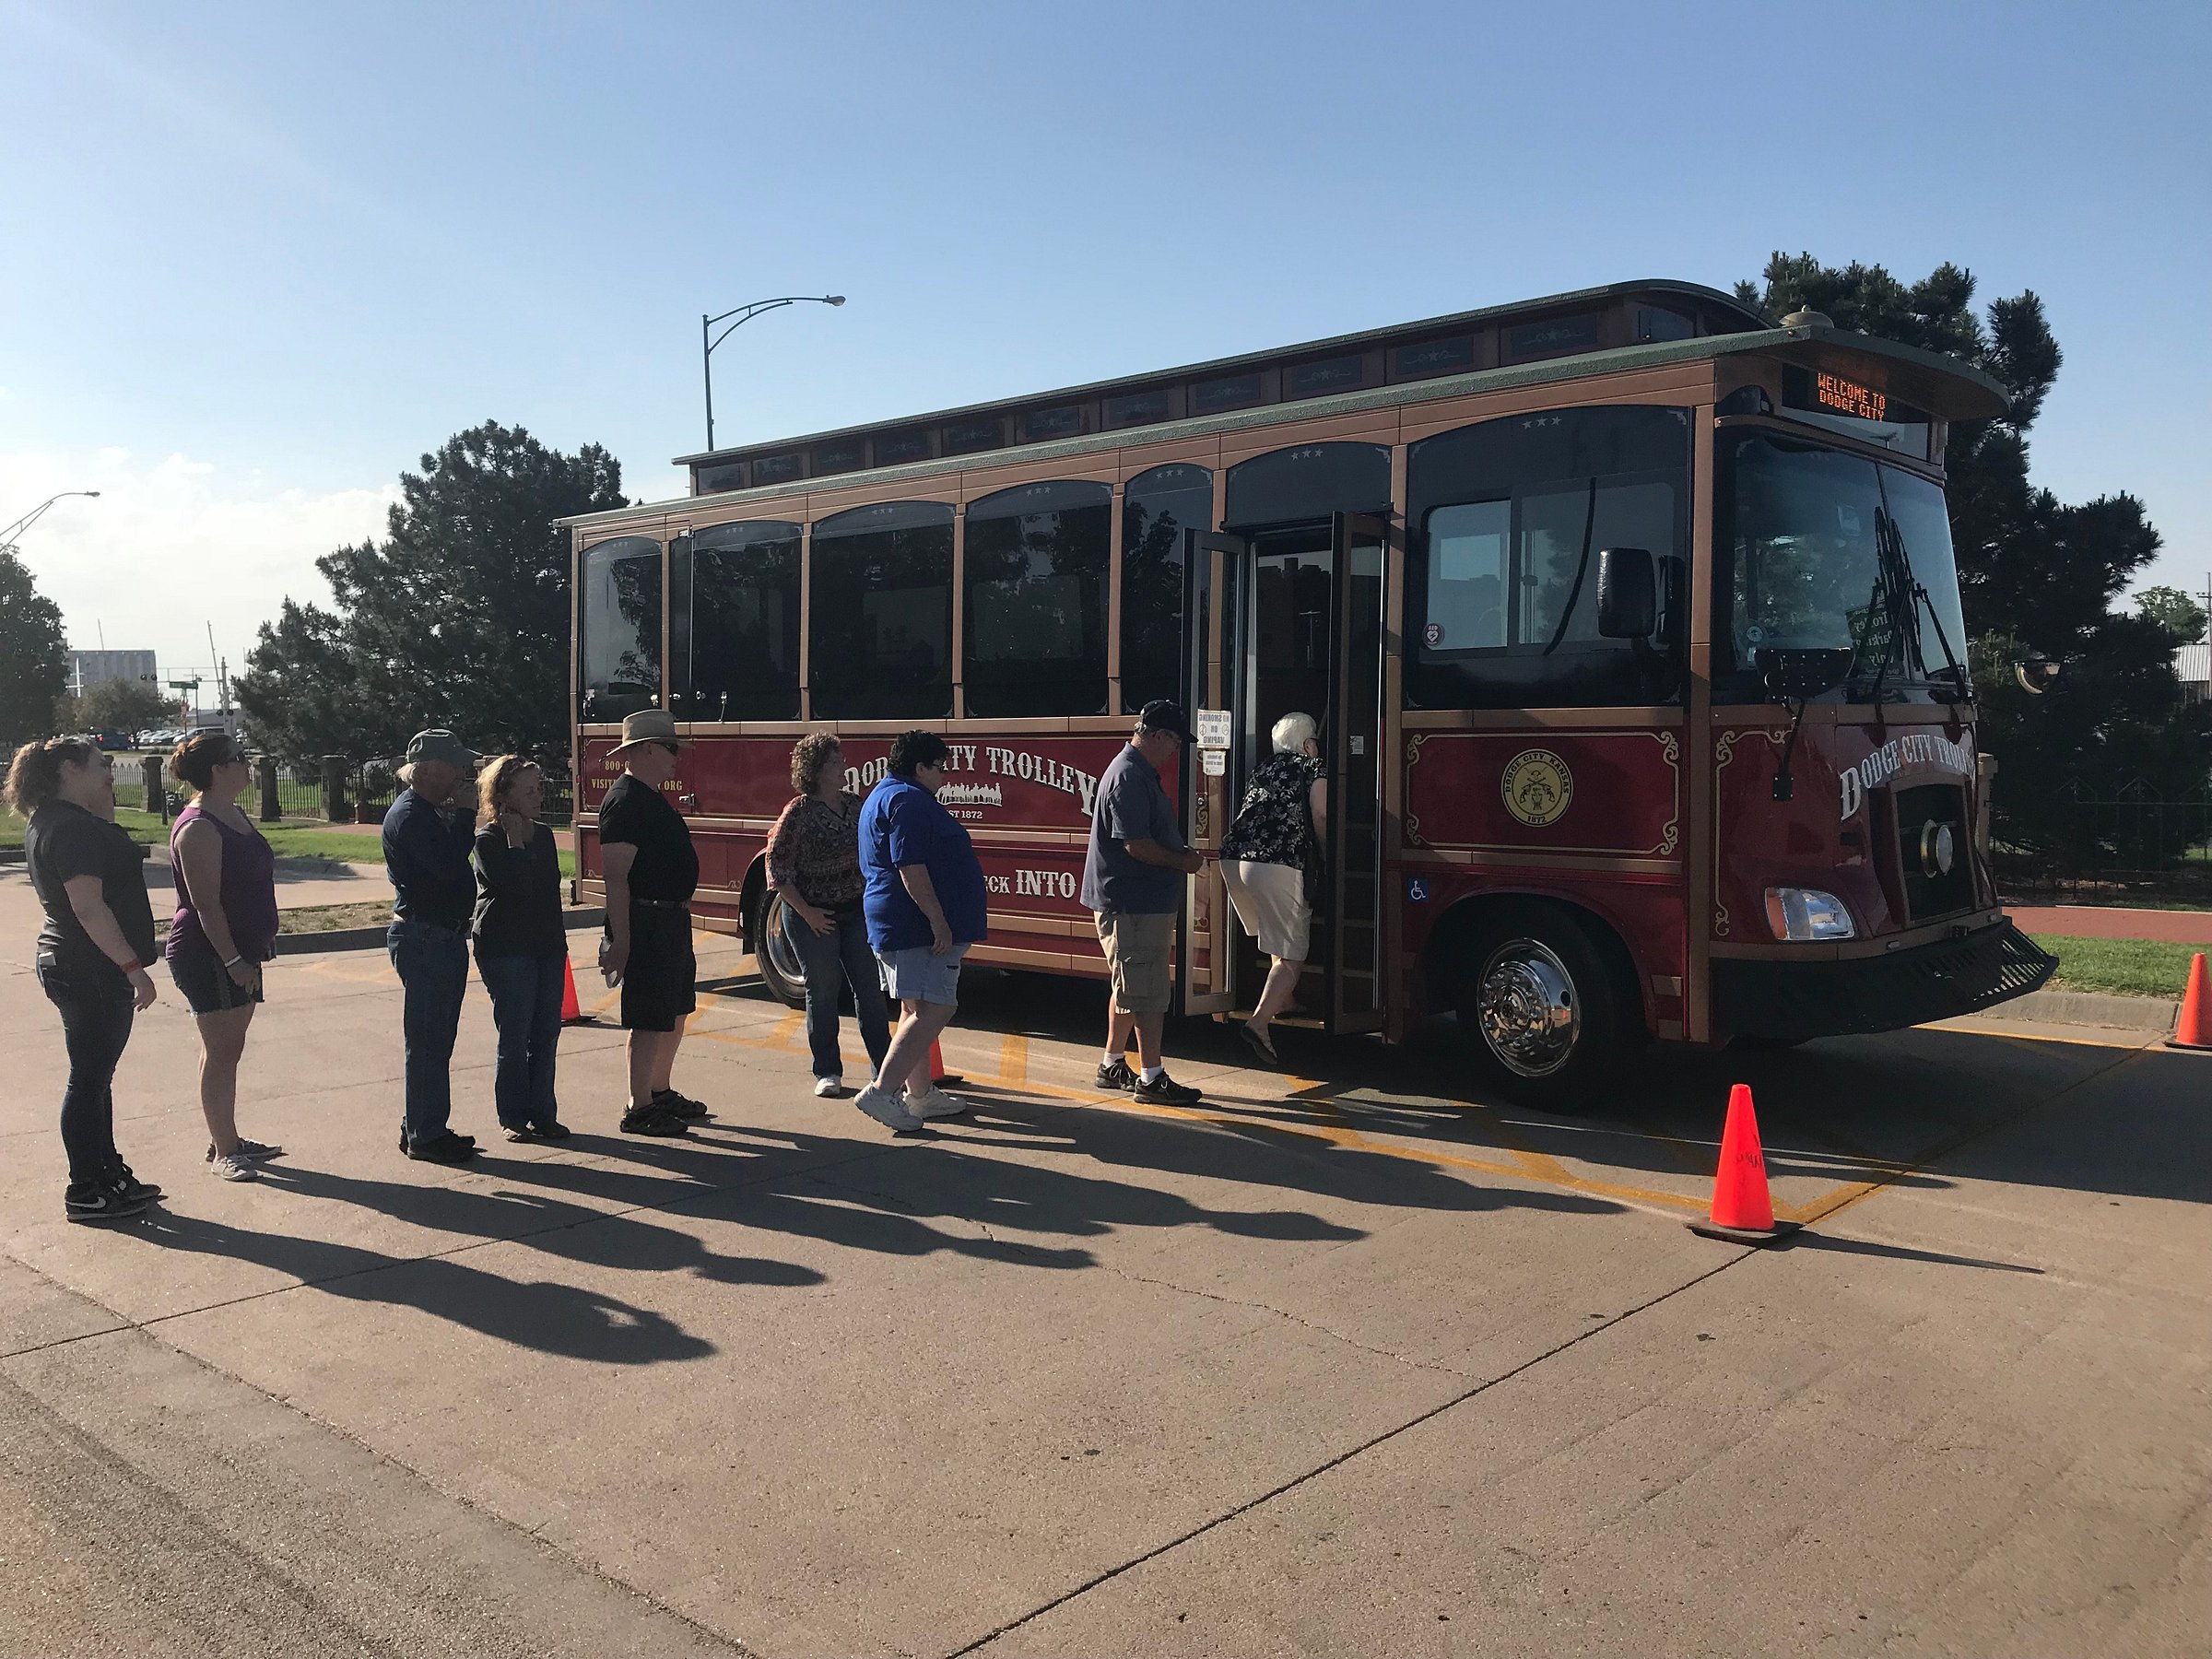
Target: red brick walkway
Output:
[{"x": 2100, "y": 922}]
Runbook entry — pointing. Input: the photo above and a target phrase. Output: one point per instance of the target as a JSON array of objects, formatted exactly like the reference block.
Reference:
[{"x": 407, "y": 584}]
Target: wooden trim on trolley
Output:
[
  {"x": 1665, "y": 717},
  {"x": 1698, "y": 849},
  {"x": 1497, "y": 857}
]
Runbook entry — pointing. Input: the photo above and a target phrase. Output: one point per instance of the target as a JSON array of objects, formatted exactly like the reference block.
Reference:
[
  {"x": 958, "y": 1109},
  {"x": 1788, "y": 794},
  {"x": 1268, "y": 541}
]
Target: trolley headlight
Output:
[{"x": 1807, "y": 913}]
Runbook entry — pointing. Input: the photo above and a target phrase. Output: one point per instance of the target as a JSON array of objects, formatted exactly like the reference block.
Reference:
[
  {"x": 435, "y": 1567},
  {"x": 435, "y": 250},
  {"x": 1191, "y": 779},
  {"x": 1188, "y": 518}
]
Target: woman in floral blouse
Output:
[
  {"x": 1278, "y": 828},
  {"x": 814, "y": 862}
]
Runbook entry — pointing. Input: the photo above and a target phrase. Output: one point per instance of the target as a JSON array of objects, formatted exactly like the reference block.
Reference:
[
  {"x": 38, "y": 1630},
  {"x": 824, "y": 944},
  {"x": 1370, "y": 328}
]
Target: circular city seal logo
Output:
[{"x": 1536, "y": 787}]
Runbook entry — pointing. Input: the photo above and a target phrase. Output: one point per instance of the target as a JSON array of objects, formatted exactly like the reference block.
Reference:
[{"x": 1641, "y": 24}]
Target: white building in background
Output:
[
  {"x": 90, "y": 668},
  {"x": 2193, "y": 664}
]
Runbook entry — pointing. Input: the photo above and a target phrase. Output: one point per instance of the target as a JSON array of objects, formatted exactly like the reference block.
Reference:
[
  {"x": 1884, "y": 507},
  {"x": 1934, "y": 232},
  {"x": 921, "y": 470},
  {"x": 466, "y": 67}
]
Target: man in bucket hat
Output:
[
  {"x": 427, "y": 840},
  {"x": 650, "y": 870}
]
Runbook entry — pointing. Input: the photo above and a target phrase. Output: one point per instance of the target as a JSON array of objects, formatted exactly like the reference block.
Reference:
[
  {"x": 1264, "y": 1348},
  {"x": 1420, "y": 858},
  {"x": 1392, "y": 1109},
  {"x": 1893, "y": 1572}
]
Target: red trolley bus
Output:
[{"x": 1628, "y": 616}]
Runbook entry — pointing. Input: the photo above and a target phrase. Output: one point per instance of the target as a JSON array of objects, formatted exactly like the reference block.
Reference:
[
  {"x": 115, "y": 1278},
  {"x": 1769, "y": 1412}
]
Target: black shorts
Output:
[
  {"x": 660, "y": 986},
  {"x": 206, "y": 983}
]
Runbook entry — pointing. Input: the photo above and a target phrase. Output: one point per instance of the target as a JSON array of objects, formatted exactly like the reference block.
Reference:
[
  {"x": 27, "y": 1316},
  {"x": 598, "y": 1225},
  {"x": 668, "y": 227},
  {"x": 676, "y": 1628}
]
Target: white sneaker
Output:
[
  {"x": 934, "y": 1102},
  {"x": 829, "y": 1089},
  {"x": 234, "y": 1166},
  {"x": 885, "y": 1109}
]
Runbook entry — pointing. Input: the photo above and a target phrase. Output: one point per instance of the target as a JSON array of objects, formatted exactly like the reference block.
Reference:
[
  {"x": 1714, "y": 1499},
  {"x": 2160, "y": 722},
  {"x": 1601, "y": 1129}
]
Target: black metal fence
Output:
[{"x": 2104, "y": 844}]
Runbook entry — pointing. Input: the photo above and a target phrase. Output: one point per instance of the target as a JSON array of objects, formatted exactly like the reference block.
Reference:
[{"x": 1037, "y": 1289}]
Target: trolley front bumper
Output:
[{"x": 1793, "y": 1000}]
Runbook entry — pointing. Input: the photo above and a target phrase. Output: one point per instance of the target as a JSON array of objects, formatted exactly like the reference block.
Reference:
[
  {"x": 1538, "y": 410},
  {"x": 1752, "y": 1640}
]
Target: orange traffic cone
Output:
[
  {"x": 937, "y": 1074},
  {"x": 1743, "y": 1211},
  {"x": 571, "y": 1011},
  {"x": 2194, "y": 1028}
]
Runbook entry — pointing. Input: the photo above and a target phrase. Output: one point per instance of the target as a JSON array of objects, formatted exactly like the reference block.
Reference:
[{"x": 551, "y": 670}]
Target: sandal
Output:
[{"x": 1257, "y": 1041}]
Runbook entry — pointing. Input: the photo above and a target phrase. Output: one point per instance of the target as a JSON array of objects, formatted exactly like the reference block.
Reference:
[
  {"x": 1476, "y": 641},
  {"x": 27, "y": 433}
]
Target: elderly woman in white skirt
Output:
[{"x": 1263, "y": 856}]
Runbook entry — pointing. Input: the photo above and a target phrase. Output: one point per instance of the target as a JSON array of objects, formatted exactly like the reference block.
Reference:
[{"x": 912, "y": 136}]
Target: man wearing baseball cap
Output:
[
  {"x": 428, "y": 841},
  {"x": 1133, "y": 879}
]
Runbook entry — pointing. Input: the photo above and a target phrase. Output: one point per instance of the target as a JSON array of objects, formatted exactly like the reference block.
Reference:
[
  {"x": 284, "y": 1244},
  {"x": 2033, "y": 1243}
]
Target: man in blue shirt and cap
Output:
[
  {"x": 1133, "y": 879},
  {"x": 428, "y": 841}
]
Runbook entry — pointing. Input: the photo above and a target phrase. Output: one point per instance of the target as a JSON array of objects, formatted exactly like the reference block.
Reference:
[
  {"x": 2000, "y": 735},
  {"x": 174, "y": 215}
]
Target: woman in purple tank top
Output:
[{"x": 224, "y": 930}]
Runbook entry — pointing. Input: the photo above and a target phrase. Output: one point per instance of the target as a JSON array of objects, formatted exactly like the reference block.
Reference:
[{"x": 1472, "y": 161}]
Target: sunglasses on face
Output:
[{"x": 672, "y": 748}]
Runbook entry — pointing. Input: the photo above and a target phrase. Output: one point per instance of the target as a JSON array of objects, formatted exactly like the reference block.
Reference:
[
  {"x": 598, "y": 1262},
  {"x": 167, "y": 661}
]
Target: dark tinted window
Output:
[
  {"x": 1041, "y": 424},
  {"x": 1554, "y": 338},
  {"x": 1230, "y": 392},
  {"x": 965, "y": 437},
  {"x": 1507, "y": 520},
  {"x": 842, "y": 456},
  {"x": 1037, "y": 560},
  {"x": 714, "y": 480},
  {"x": 1425, "y": 357},
  {"x": 882, "y": 613},
  {"x": 1136, "y": 408},
  {"x": 619, "y": 627},
  {"x": 734, "y": 624},
  {"x": 1331, "y": 374},
  {"x": 1655, "y": 322},
  {"x": 1161, "y": 509},
  {"x": 1310, "y": 481},
  {"x": 893, "y": 448},
  {"x": 775, "y": 469}
]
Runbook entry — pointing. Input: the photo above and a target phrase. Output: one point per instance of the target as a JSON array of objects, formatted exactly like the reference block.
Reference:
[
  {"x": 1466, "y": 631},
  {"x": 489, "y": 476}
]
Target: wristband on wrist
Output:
[
  {"x": 133, "y": 966},
  {"x": 233, "y": 961}
]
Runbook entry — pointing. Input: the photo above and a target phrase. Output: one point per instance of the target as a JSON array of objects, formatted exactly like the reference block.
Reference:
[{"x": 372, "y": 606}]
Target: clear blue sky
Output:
[{"x": 260, "y": 257}]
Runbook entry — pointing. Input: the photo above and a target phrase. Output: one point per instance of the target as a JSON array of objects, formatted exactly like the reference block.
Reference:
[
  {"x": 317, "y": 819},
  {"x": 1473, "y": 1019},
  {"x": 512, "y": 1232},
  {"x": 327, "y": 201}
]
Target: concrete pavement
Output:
[{"x": 1349, "y": 1361}]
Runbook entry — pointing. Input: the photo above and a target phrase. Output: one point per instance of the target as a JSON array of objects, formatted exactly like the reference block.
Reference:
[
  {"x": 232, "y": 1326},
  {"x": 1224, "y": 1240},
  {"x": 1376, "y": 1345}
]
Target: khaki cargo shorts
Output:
[{"x": 1136, "y": 955}]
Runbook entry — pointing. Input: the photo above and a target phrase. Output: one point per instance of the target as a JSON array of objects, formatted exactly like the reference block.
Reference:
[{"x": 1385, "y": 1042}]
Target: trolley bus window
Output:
[
  {"x": 1159, "y": 510},
  {"x": 882, "y": 613},
  {"x": 1036, "y": 567},
  {"x": 1804, "y": 563},
  {"x": 618, "y": 615},
  {"x": 733, "y": 623},
  {"x": 1509, "y": 518}
]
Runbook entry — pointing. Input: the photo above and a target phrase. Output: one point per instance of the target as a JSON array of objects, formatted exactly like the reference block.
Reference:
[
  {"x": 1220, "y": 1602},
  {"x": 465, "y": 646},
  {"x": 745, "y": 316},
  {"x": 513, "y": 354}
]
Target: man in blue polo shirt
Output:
[{"x": 925, "y": 905}]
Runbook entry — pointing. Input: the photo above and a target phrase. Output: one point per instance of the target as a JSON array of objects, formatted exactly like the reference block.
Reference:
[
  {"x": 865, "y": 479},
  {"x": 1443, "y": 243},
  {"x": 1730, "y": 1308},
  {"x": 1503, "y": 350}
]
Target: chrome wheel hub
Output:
[
  {"x": 1527, "y": 1008},
  {"x": 777, "y": 946}
]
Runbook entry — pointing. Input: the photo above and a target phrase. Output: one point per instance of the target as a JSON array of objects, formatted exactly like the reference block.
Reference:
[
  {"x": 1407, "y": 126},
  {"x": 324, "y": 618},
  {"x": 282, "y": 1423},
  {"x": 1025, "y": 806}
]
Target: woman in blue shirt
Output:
[{"x": 925, "y": 905}]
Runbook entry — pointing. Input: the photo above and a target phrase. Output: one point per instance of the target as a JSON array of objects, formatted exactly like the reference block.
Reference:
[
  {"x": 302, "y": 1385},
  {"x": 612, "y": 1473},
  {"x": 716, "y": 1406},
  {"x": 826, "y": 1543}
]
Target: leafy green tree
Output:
[
  {"x": 2174, "y": 611},
  {"x": 132, "y": 706},
  {"x": 2035, "y": 574},
  {"x": 458, "y": 618},
  {"x": 34, "y": 655}
]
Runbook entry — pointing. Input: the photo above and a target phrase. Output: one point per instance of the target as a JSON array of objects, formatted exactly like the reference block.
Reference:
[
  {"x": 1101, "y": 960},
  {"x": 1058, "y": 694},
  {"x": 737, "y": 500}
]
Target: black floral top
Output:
[
  {"x": 815, "y": 851},
  {"x": 1274, "y": 822}
]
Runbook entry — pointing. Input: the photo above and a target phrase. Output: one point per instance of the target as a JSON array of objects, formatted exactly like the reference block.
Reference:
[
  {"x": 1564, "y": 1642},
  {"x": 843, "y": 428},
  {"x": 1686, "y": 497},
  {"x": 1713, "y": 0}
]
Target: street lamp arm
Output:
[
  {"x": 38, "y": 512},
  {"x": 709, "y": 340}
]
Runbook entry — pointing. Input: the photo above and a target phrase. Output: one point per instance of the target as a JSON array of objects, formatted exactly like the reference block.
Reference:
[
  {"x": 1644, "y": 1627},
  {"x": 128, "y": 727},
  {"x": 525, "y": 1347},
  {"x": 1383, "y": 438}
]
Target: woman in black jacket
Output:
[{"x": 522, "y": 947}]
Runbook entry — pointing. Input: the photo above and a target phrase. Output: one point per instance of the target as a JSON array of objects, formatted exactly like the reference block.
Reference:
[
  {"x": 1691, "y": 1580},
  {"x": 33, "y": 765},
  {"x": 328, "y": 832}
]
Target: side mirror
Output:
[
  {"x": 2036, "y": 673},
  {"x": 1627, "y": 594}
]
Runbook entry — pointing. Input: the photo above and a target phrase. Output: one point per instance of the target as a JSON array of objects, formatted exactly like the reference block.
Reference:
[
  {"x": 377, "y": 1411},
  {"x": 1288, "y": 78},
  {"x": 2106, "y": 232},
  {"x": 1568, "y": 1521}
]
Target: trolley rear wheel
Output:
[{"x": 775, "y": 950}]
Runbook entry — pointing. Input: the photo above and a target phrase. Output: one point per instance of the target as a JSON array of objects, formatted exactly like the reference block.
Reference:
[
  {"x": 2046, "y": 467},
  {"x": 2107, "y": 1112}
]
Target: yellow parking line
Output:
[{"x": 1014, "y": 1060}]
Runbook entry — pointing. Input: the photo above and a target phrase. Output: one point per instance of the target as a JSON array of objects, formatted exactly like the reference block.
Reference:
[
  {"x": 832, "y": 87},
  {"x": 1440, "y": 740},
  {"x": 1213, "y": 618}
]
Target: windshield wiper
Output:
[{"x": 1895, "y": 560}]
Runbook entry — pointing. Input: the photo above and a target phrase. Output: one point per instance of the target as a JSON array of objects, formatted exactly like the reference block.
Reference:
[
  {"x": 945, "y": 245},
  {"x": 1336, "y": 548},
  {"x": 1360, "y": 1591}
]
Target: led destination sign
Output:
[{"x": 1849, "y": 397}]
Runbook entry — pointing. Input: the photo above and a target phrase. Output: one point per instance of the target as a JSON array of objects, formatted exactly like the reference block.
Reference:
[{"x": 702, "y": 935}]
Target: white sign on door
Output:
[
  {"x": 1213, "y": 728},
  {"x": 1214, "y": 763}
]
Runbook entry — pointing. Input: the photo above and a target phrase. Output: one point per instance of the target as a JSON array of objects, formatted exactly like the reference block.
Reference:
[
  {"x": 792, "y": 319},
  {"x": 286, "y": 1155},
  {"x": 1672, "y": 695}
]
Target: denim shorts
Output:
[{"x": 914, "y": 975}]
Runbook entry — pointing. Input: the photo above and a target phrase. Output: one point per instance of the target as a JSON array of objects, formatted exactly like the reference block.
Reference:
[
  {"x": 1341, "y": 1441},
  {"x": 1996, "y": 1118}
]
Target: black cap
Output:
[{"x": 1165, "y": 714}]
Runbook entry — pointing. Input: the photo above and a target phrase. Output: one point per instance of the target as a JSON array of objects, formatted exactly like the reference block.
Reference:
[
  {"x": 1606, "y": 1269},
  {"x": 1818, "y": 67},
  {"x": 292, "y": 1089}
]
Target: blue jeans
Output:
[
  {"x": 833, "y": 960},
  {"x": 525, "y": 1006},
  {"x": 432, "y": 965},
  {"x": 97, "y": 1013}
]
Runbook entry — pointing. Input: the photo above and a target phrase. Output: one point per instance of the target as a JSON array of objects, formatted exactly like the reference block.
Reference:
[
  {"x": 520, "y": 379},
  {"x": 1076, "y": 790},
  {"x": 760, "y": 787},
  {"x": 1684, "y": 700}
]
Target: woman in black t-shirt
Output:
[
  {"x": 521, "y": 947},
  {"x": 91, "y": 954}
]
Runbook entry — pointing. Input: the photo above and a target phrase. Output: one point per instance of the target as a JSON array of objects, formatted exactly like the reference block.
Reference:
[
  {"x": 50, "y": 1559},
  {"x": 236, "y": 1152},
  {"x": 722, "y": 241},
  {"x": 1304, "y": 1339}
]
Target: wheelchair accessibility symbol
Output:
[{"x": 1417, "y": 889}]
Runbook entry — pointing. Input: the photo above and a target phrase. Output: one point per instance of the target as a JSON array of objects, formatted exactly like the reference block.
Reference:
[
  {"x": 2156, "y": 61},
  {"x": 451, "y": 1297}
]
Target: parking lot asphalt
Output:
[{"x": 1357, "y": 1359}]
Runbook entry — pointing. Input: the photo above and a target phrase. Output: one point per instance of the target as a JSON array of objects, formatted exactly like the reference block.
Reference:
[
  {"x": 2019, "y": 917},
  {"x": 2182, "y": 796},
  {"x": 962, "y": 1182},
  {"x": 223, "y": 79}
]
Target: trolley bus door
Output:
[
  {"x": 1213, "y": 608},
  {"x": 1354, "y": 742}
]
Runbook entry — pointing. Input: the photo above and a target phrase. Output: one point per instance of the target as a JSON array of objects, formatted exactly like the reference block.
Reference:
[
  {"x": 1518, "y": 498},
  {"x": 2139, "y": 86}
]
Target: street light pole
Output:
[
  {"x": 8, "y": 536},
  {"x": 743, "y": 313}
]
